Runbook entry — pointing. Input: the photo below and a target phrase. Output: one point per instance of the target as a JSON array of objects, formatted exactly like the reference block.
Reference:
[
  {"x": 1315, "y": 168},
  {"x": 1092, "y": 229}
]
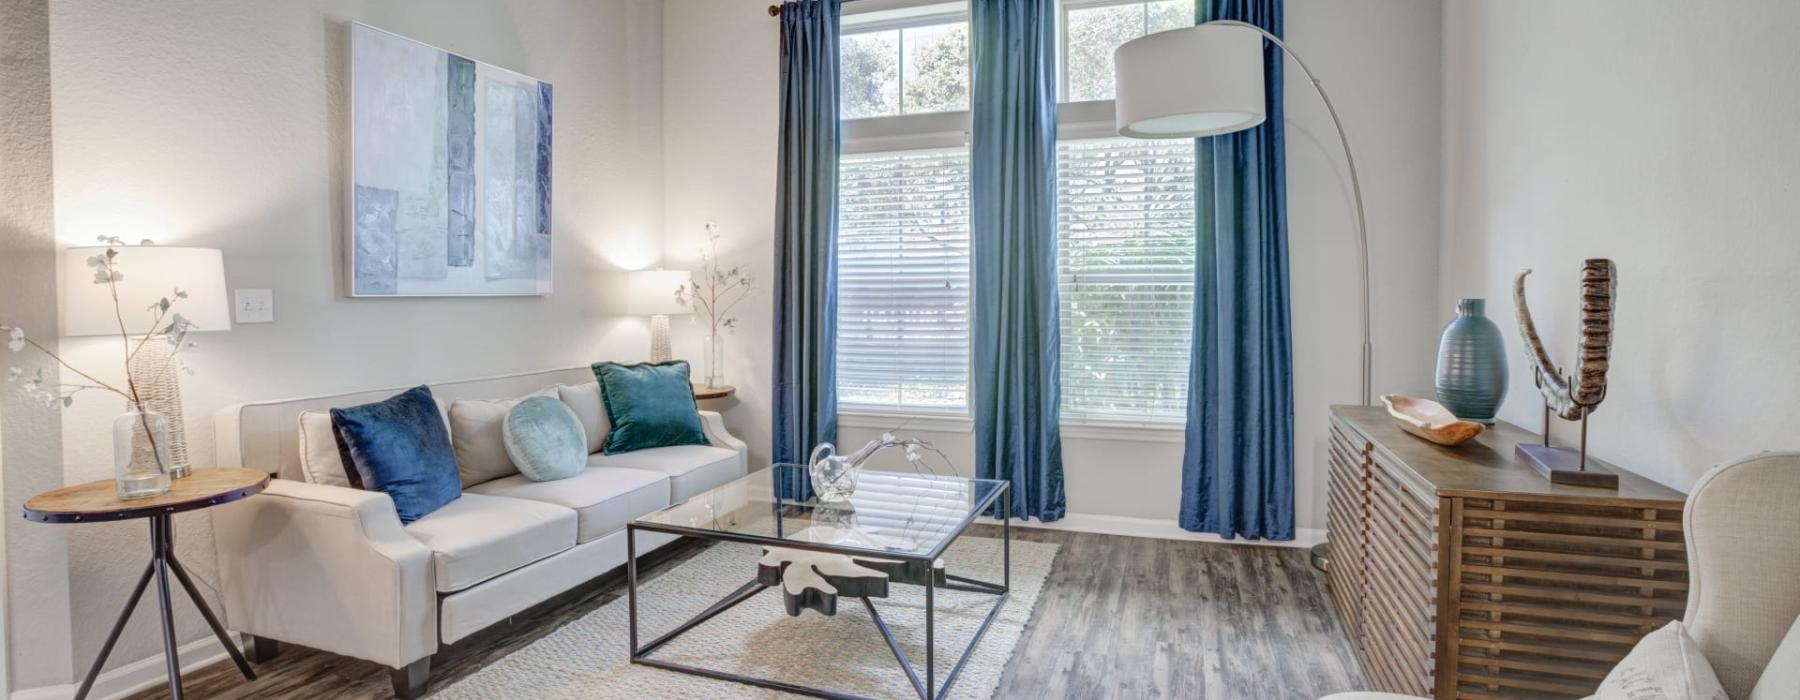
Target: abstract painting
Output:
[{"x": 450, "y": 173}]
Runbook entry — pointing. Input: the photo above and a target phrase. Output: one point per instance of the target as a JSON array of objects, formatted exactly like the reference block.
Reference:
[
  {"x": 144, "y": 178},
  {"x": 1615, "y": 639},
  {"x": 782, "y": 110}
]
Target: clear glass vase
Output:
[
  {"x": 715, "y": 361},
  {"x": 141, "y": 453}
]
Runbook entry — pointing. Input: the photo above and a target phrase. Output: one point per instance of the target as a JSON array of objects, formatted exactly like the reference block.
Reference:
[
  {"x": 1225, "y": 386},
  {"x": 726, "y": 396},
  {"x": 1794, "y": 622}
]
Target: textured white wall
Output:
[
  {"x": 222, "y": 123},
  {"x": 1379, "y": 58},
  {"x": 36, "y": 605},
  {"x": 1661, "y": 135}
]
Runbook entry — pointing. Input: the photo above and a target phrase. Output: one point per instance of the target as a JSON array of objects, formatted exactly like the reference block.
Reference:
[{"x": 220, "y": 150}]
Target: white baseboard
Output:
[
  {"x": 1127, "y": 526},
  {"x": 134, "y": 676}
]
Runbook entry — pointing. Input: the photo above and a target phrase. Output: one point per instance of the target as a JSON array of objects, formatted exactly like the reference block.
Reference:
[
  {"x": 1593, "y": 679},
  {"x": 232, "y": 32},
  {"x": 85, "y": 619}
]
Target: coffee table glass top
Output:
[{"x": 894, "y": 513}]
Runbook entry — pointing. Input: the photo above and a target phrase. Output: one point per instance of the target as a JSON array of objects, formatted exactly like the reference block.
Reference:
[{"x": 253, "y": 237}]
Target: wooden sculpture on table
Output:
[{"x": 1575, "y": 396}]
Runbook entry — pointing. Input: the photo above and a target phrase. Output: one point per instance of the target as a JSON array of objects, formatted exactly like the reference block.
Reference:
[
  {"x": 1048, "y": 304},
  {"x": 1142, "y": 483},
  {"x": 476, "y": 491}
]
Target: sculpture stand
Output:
[
  {"x": 1562, "y": 465},
  {"x": 815, "y": 580}
]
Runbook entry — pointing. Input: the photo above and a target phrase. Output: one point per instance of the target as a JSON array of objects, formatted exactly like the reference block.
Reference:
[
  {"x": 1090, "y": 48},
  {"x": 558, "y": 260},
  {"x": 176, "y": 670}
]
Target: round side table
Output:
[
  {"x": 702, "y": 393},
  {"x": 98, "y": 501}
]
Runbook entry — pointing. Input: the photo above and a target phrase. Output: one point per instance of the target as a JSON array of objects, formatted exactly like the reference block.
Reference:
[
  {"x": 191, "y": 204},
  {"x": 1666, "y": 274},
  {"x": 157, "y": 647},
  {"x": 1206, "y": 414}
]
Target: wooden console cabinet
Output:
[{"x": 1458, "y": 573}]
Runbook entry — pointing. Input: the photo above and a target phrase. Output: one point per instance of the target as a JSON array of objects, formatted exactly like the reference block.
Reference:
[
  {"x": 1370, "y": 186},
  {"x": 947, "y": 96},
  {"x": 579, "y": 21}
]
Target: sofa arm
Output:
[
  {"x": 713, "y": 425},
  {"x": 327, "y": 567}
]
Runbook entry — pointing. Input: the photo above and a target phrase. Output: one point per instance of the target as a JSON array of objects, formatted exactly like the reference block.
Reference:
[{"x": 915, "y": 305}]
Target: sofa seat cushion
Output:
[
  {"x": 692, "y": 469},
  {"x": 603, "y": 499},
  {"x": 478, "y": 537}
]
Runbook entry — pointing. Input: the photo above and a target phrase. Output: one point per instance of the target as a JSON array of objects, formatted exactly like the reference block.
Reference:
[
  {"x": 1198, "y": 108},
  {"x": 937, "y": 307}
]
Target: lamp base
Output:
[
  {"x": 659, "y": 339},
  {"x": 157, "y": 378}
]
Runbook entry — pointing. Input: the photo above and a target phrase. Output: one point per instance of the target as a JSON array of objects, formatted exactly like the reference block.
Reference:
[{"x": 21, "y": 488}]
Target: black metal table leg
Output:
[
  {"x": 159, "y": 532},
  {"x": 211, "y": 620},
  {"x": 162, "y": 563},
  {"x": 631, "y": 592},
  {"x": 930, "y": 637}
]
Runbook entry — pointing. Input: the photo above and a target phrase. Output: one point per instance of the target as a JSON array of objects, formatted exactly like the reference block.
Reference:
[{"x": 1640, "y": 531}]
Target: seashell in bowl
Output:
[{"x": 1429, "y": 419}]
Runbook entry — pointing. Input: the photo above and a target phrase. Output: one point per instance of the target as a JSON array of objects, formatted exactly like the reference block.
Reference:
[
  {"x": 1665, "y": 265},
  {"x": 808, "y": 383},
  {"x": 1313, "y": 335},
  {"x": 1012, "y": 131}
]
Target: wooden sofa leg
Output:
[
  {"x": 262, "y": 649},
  {"x": 410, "y": 680}
]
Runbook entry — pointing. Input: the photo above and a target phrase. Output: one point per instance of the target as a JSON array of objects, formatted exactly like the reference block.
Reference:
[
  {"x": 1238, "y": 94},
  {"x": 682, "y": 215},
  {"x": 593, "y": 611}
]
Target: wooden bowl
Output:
[{"x": 1429, "y": 419}]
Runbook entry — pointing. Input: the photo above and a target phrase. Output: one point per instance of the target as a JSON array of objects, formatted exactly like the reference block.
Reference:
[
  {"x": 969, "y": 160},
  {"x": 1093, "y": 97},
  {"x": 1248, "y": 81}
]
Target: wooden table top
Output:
[
  {"x": 702, "y": 393},
  {"x": 1486, "y": 465},
  {"x": 98, "y": 501}
]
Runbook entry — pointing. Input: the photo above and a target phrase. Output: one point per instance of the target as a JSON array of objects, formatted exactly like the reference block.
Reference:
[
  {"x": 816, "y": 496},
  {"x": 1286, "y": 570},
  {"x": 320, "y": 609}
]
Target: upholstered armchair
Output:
[{"x": 1743, "y": 546}]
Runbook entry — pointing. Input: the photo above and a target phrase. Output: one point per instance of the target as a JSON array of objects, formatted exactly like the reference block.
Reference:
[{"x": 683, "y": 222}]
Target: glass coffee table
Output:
[{"x": 898, "y": 524}]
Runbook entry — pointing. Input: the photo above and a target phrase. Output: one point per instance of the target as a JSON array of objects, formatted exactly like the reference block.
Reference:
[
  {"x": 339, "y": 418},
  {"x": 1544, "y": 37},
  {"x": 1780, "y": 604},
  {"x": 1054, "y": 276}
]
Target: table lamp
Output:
[
  {"x": 149, "y": 273},
  {"x": 1207, "y": 80},
  {"x": 652, "y": 294}
]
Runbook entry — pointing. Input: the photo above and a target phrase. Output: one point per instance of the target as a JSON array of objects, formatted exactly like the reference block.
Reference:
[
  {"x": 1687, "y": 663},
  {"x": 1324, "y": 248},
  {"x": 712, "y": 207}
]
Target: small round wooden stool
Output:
[{"x": 98, "y": 501}]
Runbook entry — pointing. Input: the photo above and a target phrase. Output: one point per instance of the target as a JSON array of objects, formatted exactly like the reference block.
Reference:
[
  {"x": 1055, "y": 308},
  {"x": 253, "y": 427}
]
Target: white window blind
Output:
[
  {"x": 1125, "y": 275},
  {"x": 903, "y": 281}
]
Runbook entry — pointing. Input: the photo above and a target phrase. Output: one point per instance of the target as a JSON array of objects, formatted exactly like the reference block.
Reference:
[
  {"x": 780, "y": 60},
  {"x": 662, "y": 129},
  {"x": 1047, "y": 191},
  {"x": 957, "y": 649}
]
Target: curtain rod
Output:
[{"x": 775, "y": 10}]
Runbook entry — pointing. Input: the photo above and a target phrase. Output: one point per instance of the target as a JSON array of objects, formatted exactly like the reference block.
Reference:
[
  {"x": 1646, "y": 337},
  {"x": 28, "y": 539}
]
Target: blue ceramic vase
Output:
[{"x": 1471, "y": 364}]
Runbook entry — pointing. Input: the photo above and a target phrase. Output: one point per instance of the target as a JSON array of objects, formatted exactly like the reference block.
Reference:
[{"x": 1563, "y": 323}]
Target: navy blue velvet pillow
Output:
[{"x": 400, "y": 447}]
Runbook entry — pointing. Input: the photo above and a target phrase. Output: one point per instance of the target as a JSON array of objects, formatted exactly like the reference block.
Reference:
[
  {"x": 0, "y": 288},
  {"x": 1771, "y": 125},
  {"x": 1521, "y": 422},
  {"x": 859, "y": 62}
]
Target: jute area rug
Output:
[{"x": 587, "y": 658}]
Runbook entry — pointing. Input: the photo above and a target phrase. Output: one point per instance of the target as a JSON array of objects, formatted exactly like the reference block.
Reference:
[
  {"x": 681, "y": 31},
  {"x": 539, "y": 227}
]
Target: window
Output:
[
  {"x": 903, "y": 281},
  {"x": 903, "y": 212},
  {"x": 919, "y": 67},
  {"x": 1125, "y": 277},
  {"x": 1093, "y": 28},
  {"x": 1125, "y": 232},
  {"x": 1125, "y": 221}
]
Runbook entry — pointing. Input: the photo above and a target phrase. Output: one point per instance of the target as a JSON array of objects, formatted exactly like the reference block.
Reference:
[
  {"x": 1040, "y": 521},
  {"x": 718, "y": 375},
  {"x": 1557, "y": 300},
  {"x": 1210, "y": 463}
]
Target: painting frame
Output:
[{"x": 449, "y": 182}]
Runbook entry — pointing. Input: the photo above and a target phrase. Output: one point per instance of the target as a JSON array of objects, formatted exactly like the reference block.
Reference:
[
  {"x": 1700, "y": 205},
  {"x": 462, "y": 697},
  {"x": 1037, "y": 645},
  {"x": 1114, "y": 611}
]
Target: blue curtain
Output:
[
  {"x": 1016, "y": 387},
  {"x": 805, "y": 374},
  {"x": 1237, "y": 476}
]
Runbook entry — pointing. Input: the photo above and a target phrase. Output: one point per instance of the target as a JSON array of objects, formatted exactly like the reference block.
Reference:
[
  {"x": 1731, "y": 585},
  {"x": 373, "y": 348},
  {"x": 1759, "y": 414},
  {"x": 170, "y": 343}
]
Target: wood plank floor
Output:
[{"x": 1120, "y": 617}]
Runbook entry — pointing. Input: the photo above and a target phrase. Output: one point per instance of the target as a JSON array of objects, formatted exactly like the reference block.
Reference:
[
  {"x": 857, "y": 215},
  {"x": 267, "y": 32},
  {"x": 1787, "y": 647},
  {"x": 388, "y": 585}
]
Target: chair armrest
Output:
[
  {"x": 713, "y": 425},
  {"x": 327, "y": 567}
]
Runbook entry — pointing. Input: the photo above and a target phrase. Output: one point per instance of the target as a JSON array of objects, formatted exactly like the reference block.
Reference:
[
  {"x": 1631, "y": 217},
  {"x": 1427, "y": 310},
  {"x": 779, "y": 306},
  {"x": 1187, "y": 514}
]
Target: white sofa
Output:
[
  {"x": 1743, "y": 606},
  {"x": 332, "y": 568}
]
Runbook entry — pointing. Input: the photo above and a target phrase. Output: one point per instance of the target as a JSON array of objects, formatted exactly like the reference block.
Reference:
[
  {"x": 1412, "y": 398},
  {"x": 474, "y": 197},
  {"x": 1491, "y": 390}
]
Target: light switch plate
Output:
[{"x": 254, "y": 306}]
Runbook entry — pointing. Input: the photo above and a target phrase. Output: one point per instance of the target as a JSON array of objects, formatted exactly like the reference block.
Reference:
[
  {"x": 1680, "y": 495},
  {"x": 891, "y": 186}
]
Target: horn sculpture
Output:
[{"x": 1573, "y": 397}]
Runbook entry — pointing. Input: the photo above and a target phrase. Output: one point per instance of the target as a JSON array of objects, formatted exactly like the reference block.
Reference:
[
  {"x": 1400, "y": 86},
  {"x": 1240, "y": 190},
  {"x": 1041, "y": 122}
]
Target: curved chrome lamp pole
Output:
[
  {"x": 1229, "y": 96},
  {"x": 1362, "y": 227},
  {"x": 1321, "y": 552}
]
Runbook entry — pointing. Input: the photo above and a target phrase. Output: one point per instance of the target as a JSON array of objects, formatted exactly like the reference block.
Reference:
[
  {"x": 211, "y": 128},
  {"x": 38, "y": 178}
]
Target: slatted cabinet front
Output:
[
  {"x": 1385, "y": 571},
  {"x": 1521, "y": 595}
]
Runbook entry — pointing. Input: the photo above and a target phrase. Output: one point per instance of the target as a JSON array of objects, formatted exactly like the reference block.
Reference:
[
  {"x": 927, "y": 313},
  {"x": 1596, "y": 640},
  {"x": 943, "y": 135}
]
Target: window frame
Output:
[
  {"x": 1076, "y": 120},
  {"x": 898, "y": 134},
  {"x": 1096, "y": 119}
]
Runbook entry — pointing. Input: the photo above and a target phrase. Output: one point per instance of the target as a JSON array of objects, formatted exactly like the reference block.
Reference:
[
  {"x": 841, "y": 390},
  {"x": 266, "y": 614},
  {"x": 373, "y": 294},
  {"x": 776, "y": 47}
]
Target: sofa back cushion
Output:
[
  {"x": 477, "y": 432},
  {"x": 319, "y": 450},
  {"x": 264, "y": 434},
  {"x": 585, "y": 401}
]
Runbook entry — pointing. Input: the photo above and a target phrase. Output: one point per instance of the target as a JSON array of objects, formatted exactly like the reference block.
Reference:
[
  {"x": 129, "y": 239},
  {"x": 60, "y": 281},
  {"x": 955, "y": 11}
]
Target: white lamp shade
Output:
[
  {"x": 653, "y": 293},
  {"x": 148, "y": 273},
  {"x": 1188, "y": 83}
]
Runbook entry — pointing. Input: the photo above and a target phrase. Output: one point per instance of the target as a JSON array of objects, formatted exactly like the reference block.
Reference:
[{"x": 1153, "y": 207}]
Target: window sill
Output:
[
  {"x": 1124, "y": 432},
  {"x": 933, "y": 422},
  {"x": 1076, "y": 429}
]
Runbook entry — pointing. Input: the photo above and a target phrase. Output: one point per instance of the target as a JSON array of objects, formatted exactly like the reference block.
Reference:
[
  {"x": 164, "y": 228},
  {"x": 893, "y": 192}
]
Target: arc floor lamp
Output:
[{"x": 1207, "y": 80}]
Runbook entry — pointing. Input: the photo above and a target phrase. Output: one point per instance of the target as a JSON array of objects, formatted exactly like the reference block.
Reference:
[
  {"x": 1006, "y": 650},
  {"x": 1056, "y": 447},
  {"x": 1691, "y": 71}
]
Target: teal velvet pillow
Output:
[
  {"x": 650, "y": 405},
  {"x": 544, "y": 439}
]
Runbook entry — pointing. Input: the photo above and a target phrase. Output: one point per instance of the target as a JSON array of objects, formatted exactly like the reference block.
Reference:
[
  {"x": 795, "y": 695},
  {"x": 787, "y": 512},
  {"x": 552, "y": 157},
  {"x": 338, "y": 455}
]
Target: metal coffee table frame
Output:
[{"x": 927, "y": 688}]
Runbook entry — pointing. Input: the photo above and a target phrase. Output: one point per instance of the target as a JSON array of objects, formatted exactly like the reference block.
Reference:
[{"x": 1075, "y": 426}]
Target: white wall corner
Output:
[{"x": 136, "y": 676}]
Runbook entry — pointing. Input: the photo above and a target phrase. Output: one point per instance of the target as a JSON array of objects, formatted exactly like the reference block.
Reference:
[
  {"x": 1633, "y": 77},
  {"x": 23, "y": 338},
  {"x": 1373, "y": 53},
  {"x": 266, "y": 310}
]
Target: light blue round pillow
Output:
[{"x": 545, "y": 439}]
